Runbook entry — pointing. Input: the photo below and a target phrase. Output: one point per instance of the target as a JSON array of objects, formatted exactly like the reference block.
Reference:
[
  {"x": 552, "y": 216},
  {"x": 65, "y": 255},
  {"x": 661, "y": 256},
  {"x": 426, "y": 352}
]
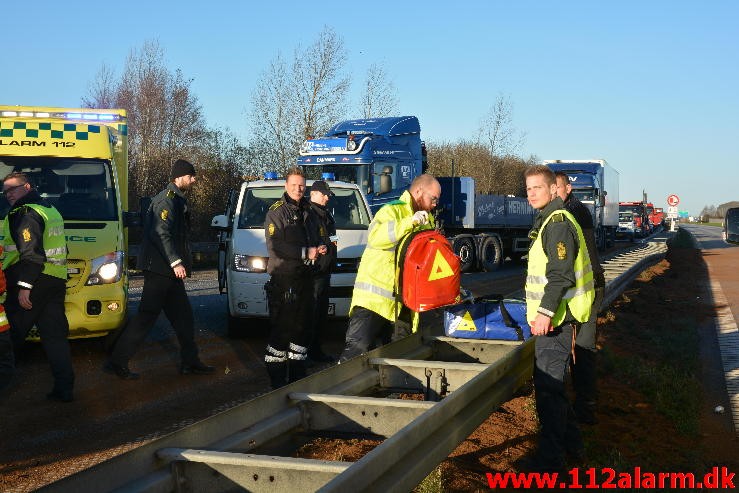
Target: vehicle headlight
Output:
[
  {"x": 248, "y": 263},
  {"x": 106, "y": 269}
]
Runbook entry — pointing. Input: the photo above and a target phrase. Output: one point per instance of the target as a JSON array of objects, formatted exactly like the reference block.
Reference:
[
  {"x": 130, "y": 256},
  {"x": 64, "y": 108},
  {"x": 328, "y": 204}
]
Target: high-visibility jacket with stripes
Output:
[
  {"x": 375, "y": 282},
  {"x": 53, "y": 240},
  {"x": 579, "y": 298}
]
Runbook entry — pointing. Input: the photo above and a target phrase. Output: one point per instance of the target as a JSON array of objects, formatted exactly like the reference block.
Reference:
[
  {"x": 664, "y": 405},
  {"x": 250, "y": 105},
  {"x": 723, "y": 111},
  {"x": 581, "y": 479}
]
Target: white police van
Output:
[{"x": 242, "y": 265}]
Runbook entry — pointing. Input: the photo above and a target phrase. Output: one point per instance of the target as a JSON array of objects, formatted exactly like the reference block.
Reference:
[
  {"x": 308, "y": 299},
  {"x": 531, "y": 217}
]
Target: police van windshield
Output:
[
  {"x": 81, "y": 189},
  {"x": 346, "y": 206}
]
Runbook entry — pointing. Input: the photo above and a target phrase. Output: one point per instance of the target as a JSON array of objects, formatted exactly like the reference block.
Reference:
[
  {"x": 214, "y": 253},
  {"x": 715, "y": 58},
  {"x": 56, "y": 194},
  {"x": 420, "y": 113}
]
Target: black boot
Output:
[
  {"x": 277, "y": 374},
  {"x": 584, "y": 382}
]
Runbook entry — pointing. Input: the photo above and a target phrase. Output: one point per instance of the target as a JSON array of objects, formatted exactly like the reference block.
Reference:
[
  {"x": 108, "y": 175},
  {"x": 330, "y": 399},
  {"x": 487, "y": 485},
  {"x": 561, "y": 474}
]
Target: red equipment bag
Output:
[{"x": 428, "y": 272}]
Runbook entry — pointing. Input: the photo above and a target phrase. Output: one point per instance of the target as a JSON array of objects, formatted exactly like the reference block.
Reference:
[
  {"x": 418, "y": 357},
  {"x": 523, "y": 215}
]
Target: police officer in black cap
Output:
[
  {"x": 166, "y": 259},
  {"x": 291, "y": 246},
  {"x": 320, "y": 193}
]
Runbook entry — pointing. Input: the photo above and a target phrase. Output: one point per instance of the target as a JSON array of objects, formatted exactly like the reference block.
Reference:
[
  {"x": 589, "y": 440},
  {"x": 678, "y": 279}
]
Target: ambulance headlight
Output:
[
  {"x": 248, "y": 263},
  {"x": 106, "y": 269}
]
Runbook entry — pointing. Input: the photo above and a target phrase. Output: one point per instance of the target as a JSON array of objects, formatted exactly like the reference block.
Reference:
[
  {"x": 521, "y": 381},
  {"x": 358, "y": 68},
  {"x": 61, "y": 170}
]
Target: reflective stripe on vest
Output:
[
  {"x": 54, "y": 242},
  {"x": 579, "y": 298}
]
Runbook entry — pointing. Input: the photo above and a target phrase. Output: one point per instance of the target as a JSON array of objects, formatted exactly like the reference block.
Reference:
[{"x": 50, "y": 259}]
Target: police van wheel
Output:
[{"x": 491, "y": 253}]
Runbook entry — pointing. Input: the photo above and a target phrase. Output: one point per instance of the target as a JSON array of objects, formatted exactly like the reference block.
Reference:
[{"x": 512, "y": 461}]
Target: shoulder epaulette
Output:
[
  {"x": 276, "y": 205},
  {"x": 558, "y": 217},
  {"x": 170, "y": 194}
]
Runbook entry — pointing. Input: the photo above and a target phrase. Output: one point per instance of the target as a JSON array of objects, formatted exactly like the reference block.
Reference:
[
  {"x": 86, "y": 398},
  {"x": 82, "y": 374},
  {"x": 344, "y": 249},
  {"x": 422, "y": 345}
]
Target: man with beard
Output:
[{"x": 166, "y": 259}]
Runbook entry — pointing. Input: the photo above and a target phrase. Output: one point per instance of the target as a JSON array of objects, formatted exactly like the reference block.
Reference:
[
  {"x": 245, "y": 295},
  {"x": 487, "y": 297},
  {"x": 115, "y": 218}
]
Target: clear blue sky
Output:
[{"x": 651, "y": 86}]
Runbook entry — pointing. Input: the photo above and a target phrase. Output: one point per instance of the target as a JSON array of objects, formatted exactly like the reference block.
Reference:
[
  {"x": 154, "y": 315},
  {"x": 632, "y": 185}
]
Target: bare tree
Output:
[
  {"x": 497, "y": 130},
  {"x": 379, "y": 98},
  {"x": 275, "y": 132},
  {"x": 320, "y": 87},
  {"x": 293, "y": 102},
  {"x": 103, "y": 91}
]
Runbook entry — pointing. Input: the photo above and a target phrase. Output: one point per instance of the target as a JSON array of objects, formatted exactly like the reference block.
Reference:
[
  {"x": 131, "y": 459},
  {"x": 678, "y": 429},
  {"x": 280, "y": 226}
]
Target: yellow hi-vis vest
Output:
[
  {"x": 55, "y": 244},
  {"x": 374, "y": 287},
  {"x": 579, "y": 298}
]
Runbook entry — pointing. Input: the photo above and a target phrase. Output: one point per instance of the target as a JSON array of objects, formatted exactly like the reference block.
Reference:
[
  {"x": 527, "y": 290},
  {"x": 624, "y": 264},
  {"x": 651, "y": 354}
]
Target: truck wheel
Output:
[
  {"x": 464, "y": 248},
  {"x": 491, "y": 253}
]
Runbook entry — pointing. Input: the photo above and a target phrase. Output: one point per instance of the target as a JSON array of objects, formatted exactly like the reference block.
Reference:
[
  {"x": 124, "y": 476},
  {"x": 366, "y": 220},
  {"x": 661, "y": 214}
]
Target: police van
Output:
[{"x": 242, "y": 265}]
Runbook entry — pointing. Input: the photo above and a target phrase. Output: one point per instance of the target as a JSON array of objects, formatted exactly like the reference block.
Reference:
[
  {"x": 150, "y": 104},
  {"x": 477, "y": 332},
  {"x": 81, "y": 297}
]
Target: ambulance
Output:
[
  {"x": 243, "y": 249},
  {"x": 77, "y": 159}
]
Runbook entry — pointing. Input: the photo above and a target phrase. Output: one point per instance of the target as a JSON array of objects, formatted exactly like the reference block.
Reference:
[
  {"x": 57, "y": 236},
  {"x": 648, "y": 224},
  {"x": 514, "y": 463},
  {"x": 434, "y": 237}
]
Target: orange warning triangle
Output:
[
  {"x": 466, "y": 323},
  {"x": 441, "y": 268}
]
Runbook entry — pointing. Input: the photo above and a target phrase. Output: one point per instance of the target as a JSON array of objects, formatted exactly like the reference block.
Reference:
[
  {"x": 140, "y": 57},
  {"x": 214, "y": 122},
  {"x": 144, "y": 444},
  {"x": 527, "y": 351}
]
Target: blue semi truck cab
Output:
[
  {"x": 381, "y": 155},
  {"x": 384, "y": 155}
]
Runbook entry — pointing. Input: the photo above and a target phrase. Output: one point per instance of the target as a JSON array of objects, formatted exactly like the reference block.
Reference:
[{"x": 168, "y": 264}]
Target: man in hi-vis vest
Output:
[
  {"x": 559, "y": 297},
  {"x": 35, "y": 264}
]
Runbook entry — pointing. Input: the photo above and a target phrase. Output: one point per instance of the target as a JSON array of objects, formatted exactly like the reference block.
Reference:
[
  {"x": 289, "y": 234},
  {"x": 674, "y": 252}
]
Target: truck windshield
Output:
[
  {"x": 80, "y": 189},
  {"x": 357, "y": 174},
  {"x": 625, "y": 217},
  {"x": 346, "y": 206}
]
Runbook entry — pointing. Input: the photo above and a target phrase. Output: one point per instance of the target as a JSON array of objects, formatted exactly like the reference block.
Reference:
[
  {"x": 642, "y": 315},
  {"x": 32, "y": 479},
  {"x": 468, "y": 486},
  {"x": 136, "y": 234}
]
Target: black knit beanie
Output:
[{"x": 182, "y": 168}]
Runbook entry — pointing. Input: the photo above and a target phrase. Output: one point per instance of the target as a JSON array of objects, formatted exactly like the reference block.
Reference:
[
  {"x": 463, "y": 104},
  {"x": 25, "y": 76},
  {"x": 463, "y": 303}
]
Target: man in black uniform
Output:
[
  {"x": 166, "y": 259},
  {"x": 287, "y": 228},
  {"x": 320, "y": 193},
  {"x": 583, "y": 369},
  {"x": 35, "y": 263},
  {"x": 559, "y": 296}
]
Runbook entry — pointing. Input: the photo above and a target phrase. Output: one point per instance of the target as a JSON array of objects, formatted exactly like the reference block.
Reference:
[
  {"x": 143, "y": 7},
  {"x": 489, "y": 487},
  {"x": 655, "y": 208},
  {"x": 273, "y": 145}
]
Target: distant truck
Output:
[
  {"x": 384, "y": 155},
  {"x": 77, "y": 159},
  {"x": 642, "y": 224},
  {"x": 656, "y": 215},
  {"x": 595, "y": 184},
  {"x": 626, "y": 226},
  {"x": 243, "y": 258}
]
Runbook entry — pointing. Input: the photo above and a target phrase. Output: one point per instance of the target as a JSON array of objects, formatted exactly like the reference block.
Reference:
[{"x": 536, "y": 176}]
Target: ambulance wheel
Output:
[
  {"x": 464, "y": 248},
  {"x": 491, "y": 253}
]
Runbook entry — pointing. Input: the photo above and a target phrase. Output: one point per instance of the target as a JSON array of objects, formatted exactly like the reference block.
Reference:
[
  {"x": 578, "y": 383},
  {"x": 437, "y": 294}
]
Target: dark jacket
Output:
[
  {"x": 286, "y": 230},
  {"x": 323, "y": 220},
  {"x": 558, "y": 234},
  {"x": 31, "y": 252},
  {"x": 585, "y": 220},
  {"x": 166, "y": 241}
]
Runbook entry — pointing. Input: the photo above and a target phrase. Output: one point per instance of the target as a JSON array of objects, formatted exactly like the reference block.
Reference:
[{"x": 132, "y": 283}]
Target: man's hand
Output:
[
  {"x": 179, "y": 271},
  {"x": 421, "y": 217},
  {"x": 312, "y": 253},
  {"x": 24, "y": 298},
  {"x": 322, "y": 250},
  {"x": 541, "y": 325}
]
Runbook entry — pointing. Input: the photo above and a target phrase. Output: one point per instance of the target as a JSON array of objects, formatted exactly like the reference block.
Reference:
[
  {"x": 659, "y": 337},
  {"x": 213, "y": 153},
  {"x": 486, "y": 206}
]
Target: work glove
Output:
[{"x": 421, "y": 217}]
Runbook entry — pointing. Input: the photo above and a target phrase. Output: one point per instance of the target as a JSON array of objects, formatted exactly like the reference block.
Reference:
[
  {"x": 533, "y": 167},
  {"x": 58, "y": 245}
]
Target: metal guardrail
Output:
[{"x": 470, "y": 377}]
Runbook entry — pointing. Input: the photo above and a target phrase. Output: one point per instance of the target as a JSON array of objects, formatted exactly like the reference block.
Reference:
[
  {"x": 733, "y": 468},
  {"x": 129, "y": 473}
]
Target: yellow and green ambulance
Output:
[{"x": 77, "y": 159}]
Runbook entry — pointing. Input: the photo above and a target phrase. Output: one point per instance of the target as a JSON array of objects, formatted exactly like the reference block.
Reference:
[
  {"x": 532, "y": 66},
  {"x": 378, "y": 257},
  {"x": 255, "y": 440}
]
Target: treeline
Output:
[
  {"x": 295, "y": 98},
  {"x": 710, "y": 211}
]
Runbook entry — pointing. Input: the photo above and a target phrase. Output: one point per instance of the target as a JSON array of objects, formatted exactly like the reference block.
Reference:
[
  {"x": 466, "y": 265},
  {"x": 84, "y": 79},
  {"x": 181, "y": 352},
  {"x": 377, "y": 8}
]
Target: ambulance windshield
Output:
[{"x": 80, "y": 189}]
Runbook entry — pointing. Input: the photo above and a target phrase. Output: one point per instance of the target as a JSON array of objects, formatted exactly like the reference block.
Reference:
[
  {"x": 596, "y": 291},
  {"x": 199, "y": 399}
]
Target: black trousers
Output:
[
  {"x": 289, "y": 298},
  {"x": 366, "y": 326},
  {"x": 47, "y": 313},
  {"x": 584, "y": 377},
  {"x": 7, "y": 361},
  {"x": 559, "y": 429},
  {"x": 159, "y": 293},
  {"x": 319, "y": 312}
]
